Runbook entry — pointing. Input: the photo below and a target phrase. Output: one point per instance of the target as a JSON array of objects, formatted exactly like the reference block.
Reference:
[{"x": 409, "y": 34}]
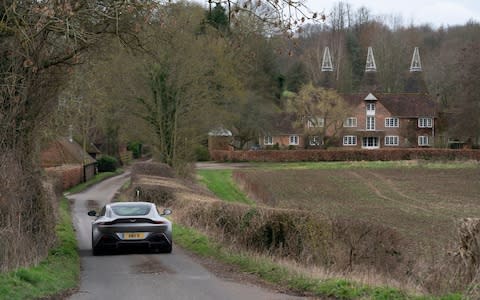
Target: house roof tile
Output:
[
  {"x": 62, "y": 152},
  {"x": 401, "y": 105},
  {"x": 284, "y": 124}
]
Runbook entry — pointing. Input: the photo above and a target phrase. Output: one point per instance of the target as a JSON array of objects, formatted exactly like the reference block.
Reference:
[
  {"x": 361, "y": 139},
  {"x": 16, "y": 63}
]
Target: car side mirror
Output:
[
  {"x": 166, "y": 212},
  {"x": 92, "y": 213}
]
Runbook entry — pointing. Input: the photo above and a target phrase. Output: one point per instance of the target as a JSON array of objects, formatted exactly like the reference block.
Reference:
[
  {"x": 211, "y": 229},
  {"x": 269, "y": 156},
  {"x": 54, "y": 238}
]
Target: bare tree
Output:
[
  {"x": 320, "y": 111},
  {"x": 39, "y": 42},
  {"x": 285, "y": 15},
  {"x": 466, "y": 123},
  {"x": 192, "y": 82}
]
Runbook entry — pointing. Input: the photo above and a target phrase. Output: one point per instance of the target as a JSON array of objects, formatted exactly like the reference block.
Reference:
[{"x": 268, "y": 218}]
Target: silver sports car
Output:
[{"x": 131, "y": 224}]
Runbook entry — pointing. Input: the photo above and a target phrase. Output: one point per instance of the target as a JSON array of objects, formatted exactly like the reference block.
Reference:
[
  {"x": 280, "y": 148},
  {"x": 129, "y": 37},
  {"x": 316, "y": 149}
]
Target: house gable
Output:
[{"x": 360, "y": 113}]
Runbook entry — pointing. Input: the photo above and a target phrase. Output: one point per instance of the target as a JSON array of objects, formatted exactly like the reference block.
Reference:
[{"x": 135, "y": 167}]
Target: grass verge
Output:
[
  {"x": 96, "y": 179},
  {"x": 58, "y": 273},
  {"x": 221, "y": 184},
  {"x": 267, "y": 270}
]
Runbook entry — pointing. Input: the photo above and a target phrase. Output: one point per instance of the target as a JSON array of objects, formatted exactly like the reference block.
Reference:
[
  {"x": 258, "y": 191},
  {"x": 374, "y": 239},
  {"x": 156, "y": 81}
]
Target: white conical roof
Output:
[
  {"x": 327, "y": 65},
  {"x": 220, "y": 131},
  {"x": 370, "y": 65},
  {"x": 370, "y": 97},
  {"x": 416, "y": 65}
]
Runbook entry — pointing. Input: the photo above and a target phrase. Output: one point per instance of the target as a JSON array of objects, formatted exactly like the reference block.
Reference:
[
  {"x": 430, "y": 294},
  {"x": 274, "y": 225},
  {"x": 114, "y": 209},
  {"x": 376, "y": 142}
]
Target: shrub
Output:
[
  {"x": 343, "y": 245},
  {"x": 136, "y": 149},
  {"x": 159, "y": 195},
  {"x": 201, "y": 153},
  {"x": 346, "y": 155},
  {"x": 107, "y": 164}
]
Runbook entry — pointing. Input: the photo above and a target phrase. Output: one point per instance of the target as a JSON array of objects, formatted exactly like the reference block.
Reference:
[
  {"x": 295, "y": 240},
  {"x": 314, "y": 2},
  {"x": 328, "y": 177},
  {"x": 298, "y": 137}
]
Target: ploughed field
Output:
[{"x": 421, "y": 203}]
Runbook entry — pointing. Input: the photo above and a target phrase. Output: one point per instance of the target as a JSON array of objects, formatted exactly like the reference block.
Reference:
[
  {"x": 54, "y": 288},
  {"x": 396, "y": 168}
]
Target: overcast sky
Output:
[{"x": 434, "y": 12}]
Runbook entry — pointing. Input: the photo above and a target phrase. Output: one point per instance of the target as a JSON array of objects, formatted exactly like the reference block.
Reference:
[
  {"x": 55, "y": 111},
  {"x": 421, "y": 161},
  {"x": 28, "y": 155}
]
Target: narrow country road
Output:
[{"x": 136, "y": 276}]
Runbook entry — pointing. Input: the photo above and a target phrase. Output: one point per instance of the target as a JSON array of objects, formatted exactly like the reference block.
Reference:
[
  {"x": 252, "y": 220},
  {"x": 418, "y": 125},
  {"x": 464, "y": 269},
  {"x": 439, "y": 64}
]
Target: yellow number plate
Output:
[{"x": 133, "y": 235}]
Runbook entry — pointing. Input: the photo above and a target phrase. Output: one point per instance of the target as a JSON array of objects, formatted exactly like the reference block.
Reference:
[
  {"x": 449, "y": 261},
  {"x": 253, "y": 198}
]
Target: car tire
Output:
[{"x": 95, "y": 250}]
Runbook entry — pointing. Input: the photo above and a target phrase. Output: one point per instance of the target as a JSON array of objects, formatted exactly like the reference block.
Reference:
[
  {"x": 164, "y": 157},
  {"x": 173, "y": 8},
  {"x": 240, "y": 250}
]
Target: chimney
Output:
[
  {"x": 416, "y": 65},
  {"x": 327, "y": 65},
  {"x": 370, "y": 65}
]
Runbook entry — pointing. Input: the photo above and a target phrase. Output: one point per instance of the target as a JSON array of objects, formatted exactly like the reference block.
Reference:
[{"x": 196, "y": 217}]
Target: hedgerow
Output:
[{"x": 345, "y": 155}]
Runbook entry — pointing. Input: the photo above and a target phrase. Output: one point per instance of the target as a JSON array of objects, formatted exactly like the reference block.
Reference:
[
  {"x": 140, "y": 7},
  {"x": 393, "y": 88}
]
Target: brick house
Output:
[
  {"x": 283, "y": 133},
  {"x": 377, "y": 119},
  {"x": 66, "y": 159},
  {"x": 389, "y": 120}
]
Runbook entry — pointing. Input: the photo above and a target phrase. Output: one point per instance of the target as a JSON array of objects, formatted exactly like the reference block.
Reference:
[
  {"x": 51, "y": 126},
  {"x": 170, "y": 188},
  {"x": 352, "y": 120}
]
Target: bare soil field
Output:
[{"x": 420, "y": 203}]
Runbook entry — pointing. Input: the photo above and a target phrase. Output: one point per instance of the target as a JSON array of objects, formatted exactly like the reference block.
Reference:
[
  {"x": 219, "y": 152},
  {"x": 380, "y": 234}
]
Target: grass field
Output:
[
  {"x": 422, "y": 201},
  {"x": 221, "y": 184}
]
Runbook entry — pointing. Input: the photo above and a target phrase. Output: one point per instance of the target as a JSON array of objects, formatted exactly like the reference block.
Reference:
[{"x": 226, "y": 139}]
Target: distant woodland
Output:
[
  {"x": 449, "y": 57},
  {"x": 234, "y": 70}
]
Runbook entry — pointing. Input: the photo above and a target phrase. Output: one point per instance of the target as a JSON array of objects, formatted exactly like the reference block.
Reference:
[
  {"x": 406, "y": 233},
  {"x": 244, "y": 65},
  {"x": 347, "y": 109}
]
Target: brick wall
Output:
[
  {"x": 345, "y": 155},
  {"x": 219, "y": 143}
]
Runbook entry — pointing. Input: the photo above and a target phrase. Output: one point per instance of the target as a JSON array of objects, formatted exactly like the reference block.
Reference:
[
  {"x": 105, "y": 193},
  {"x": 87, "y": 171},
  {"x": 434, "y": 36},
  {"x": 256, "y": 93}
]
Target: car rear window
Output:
[{"x": 131, "y": 210}]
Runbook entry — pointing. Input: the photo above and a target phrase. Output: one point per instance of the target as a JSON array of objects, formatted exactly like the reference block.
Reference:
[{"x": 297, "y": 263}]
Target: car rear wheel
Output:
[{"x": 95, "y": 250}]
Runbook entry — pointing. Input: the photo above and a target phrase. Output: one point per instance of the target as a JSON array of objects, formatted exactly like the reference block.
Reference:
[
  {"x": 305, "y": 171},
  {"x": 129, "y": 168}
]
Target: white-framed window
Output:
[
  {"x": 370, "y": 123},
  {"x": 316, "y": 122},
  {"x": 370, "y": 142},
  {"x": 350, "y": 122},
  {"x": 391, "y": 140},
  {"x": 268, "y": 140},
  {"x": 349, "y": 140},
  {"x": 370, "y": 108},
  {"x": 423, "y": 140},
  {"x": 315, "y": 141},
  {"x": 391, "y": 122},
  {"x": 425, "y": 122},
  {"x": 293, "y": 140}
]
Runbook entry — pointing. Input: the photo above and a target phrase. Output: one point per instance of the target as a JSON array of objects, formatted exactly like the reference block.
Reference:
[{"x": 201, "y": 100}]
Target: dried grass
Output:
[
  {"x": 466, "y": 259},
  {"x": 153, "y": 169}
]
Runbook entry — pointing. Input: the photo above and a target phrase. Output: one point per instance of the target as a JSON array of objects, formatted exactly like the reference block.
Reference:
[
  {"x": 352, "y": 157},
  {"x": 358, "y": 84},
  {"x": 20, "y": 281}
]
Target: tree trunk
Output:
[{"x": 27, "y": 218}]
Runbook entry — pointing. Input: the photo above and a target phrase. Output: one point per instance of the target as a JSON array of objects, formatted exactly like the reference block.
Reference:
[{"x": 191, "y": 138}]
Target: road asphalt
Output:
[{"x": 136, "y": 276}]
